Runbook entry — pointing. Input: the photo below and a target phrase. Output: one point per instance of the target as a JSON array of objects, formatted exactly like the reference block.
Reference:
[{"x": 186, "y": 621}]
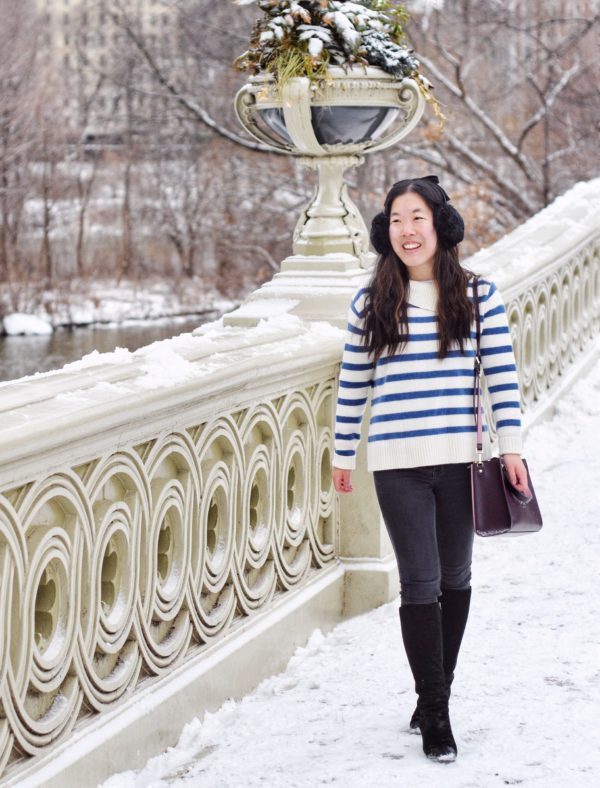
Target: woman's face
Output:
[{"x": 412, "y": 235}]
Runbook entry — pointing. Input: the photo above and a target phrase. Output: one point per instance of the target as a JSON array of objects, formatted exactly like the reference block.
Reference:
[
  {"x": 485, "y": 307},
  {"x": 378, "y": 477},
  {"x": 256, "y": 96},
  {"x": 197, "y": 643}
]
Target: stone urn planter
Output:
[{"x": 331, "y": 124}]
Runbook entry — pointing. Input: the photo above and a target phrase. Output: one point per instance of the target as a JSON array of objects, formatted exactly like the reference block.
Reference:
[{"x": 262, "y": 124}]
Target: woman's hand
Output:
[
  {"x": 341, "y": 480},
  {"x": 517, "y": 473}
]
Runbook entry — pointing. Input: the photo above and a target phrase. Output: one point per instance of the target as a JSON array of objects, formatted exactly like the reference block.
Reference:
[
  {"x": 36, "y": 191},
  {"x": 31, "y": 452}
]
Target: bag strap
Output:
[{"x": 477, "y": 376}]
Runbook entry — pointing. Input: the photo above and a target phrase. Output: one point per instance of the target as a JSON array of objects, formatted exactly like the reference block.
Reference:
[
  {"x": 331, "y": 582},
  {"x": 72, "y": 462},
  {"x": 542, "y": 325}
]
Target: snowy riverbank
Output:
[
  {"x": 525, "y": 700},
  {"x": 107, "y": 302}
]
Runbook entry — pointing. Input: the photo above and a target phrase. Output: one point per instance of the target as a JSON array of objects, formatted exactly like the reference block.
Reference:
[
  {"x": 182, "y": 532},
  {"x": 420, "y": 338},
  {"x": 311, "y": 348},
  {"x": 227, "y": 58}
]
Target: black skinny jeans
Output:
[{"x": 427, "y": 512}]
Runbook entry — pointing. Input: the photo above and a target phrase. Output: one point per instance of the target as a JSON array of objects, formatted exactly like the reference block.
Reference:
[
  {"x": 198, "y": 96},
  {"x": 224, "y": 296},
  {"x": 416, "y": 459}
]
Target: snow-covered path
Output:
[{"x": 526, "y": 699}]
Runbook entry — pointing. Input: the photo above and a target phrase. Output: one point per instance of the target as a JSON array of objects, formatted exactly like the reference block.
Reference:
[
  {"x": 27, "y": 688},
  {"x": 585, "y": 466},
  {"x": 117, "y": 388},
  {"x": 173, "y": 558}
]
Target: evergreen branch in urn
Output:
[{"x": 302, "y": 38}]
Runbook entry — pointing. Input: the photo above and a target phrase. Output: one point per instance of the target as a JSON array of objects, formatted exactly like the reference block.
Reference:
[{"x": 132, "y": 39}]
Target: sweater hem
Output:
[{"x": 417, "y": 452}]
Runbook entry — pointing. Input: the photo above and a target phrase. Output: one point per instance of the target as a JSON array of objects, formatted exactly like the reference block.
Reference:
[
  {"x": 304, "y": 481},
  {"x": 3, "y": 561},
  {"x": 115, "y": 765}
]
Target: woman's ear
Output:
[{"x": 380, "y": 233}]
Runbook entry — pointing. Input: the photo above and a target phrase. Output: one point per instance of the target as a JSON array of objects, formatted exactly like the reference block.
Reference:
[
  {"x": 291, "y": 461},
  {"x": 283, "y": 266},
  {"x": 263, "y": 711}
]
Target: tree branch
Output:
[
  {"x": 476, "y": 161},
  {"x": 271, "y": 262},
  {"x": 497, "y": 133},
  {"x": 548, "y": 100},
  {"x": 198, "y": 113}
]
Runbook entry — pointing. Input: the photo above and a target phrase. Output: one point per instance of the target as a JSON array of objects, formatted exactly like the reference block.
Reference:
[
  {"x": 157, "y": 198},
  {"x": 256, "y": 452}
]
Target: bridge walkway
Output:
[{"x": 524, "y": 705}]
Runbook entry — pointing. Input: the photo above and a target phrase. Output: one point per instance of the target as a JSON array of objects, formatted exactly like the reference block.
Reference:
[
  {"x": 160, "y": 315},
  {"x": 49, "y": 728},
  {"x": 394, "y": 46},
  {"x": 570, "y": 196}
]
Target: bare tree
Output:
[
  {"x": 89, "y": 86},
  {"x": 18, "y": 37},
  {"x": 198, "y": 22},
  {"x": 157, "y": 162},
  {"x": 509, "y": 76},
  {"x": 186, "y": 192}
]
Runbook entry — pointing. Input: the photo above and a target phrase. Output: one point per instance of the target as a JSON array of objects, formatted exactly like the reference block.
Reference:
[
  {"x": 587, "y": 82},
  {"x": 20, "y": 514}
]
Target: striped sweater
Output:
[{"x": 422, "y": 407}]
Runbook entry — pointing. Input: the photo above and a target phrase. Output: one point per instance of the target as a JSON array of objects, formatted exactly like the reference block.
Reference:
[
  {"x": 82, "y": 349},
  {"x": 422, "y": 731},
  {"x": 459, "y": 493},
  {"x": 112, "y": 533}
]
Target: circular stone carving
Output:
[
  {"x": 541, "y": 340},
  {"x": 565, "y": 320},
  {"x": 554, "y": 330}
]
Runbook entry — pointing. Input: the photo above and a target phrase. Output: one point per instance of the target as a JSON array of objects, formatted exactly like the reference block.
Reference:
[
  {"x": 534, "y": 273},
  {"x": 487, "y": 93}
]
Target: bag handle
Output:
[{"x": 477, "y": 378}]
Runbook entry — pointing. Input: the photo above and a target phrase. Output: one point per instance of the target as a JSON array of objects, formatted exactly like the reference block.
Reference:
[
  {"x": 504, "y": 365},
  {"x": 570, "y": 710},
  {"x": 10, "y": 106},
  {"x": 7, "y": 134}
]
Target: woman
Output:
[{"x": 410, "y": 347}]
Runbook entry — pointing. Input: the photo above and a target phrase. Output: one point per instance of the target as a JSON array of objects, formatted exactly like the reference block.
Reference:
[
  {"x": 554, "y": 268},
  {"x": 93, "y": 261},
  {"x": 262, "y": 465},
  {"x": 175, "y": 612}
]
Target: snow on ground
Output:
[
  {"x": 19, "y": 323},
  {"x": 526, "y": 697}
]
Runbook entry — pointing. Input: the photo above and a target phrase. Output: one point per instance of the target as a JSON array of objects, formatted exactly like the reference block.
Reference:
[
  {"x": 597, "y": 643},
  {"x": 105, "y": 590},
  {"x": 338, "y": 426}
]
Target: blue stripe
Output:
[
  {"x": 345, "y": 452},
  {"x": 418, "y": 414},
  {"x": 353, "y": 436},
  {"x": 355, "y": 299},
  {"x": 482, "y": 298},
  {"x": 490, "y": 292},
  {"x": 347, "y": 384},
  {"x": 349, "y": 419},
  {"x": 352, "y": 402},
  {"x": 508, "y": 404},
  {"x": 356, "y": 367},
  {"x": 423, "y": 337},
  {"x": 492, "y": 351},
  {"x": 422, "y": 394},
  {"x": 355, "y": 348},
  {"x": 413, "y": 337},
  {"x": 502, "y": 368},
  {"x": 425, "y": 356},
  {"x": 434, "y": 373},
  {"x": 354, "y": 330},
  {"x": 508, "y": 423},
  {"x": 503, "y": 387},
  {"x": 422, "y": 319},
  {"x": 497, "y": 310},
  {"x": 420, "y": 433},
  {"x": 471, "y": 282},
  {"x": 495, "y": 330}
]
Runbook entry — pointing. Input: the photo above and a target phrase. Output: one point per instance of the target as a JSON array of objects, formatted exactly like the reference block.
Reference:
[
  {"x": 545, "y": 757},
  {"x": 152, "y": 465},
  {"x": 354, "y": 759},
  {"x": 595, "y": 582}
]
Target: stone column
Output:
[{"x": 371, "y": 575}]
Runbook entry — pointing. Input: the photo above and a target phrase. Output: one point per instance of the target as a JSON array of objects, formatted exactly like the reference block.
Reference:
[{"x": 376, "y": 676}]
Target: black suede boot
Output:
[
  {"x": 422, "y": 635},
  {"x": 455, "y": 612}
]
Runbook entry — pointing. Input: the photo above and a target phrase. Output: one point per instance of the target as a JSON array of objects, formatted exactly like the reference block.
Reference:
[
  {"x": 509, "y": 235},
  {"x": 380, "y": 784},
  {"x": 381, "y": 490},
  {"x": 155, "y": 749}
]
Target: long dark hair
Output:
[{"x": 386, "y": 321}]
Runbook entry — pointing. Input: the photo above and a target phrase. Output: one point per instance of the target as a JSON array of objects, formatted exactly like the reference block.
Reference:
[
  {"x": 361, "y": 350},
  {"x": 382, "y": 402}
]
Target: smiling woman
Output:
[{"x": 409, "y": 349}]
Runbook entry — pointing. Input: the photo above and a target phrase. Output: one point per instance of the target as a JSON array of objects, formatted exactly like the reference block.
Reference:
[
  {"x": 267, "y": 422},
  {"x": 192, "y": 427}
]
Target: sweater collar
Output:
[{"x": 423, "y": 295}]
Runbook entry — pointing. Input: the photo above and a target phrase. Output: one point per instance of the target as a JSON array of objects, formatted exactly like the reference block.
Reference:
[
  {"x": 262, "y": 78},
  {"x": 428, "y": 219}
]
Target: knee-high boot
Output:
[
  {"x": 422, "y": 635},
  {"x": 455, "y": 606}
]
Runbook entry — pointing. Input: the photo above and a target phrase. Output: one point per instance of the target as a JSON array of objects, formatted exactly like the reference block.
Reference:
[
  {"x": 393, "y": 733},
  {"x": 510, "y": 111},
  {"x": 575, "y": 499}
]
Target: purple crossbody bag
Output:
[{"x": 498, "y": 508}]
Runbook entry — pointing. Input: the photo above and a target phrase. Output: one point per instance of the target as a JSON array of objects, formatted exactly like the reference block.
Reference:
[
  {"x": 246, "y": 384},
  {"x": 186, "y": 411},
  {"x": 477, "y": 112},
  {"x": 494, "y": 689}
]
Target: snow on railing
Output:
[{"x": 152, "y": 502}]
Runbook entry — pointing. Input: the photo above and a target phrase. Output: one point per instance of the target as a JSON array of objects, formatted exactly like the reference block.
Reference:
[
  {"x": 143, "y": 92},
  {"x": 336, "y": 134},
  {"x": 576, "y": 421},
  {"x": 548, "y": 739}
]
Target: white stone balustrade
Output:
[
  {"x": 548, "y": 270},
  {"x": 140, "y": 518},
  {"x": 155, "y": 506}
]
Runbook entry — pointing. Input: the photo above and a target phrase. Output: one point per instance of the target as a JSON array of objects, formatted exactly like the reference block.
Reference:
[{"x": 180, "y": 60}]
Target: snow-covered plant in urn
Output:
[{"x": 304, "y": 37}]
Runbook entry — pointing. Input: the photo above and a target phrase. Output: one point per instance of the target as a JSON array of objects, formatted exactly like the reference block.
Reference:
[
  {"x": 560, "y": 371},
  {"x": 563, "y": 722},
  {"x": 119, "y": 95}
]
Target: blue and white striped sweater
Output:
[{"x": 421, "y": 407}]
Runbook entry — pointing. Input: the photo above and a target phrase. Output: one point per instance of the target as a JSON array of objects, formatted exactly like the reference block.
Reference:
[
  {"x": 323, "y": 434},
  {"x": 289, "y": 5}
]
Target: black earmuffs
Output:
[
  {"x": 380, "y": 233},
  {"x": 448, "y": 223}
]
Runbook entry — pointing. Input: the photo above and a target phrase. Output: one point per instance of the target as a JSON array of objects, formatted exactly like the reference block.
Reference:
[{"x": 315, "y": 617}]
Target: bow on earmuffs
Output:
[{"x": 448, "y": 223}]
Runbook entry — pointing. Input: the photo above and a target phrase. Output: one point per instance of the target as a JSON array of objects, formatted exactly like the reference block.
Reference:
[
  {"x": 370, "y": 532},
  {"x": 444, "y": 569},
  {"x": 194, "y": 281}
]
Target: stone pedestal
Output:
[{"x": 313, "y": 287}]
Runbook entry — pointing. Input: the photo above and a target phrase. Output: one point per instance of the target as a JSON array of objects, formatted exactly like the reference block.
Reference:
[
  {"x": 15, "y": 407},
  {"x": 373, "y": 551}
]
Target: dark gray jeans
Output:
[{"x": 427, "y": 512}]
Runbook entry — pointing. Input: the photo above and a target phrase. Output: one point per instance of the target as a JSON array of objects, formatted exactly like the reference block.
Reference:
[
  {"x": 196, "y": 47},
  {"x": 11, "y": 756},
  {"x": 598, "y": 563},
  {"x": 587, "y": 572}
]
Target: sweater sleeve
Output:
[
  {"x": 500, "y": 369},
  {"x": 356, "y": 375}
]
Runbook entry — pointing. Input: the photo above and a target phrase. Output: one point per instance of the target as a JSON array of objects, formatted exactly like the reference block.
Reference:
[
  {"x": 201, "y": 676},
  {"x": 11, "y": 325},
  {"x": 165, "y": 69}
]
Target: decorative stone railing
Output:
[
  {"x": 168, "y": 515},
  {"x": 141, "y": 518},
  {"x": 548, "y": 271}
]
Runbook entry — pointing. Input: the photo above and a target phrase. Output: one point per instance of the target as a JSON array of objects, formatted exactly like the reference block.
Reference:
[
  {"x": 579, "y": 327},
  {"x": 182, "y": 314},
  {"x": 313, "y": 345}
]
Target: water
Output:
[{"x": 24, "y": 355}]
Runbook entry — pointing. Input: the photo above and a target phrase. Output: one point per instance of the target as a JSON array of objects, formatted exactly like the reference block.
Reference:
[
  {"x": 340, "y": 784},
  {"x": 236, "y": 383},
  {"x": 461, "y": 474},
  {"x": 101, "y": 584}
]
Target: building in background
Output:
[{"x": 109, "y": 89}]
